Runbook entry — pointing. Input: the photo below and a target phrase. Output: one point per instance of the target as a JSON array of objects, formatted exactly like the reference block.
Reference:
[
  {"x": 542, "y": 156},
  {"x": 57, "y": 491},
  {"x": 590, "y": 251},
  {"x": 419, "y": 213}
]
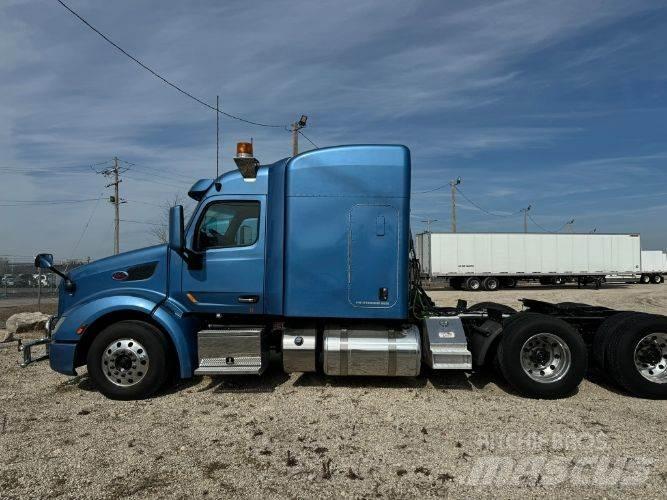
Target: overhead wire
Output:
[
  {"x": 27, "y": 203},
  {"x": 306, "y": 137},
  {"x": 483, "y": 209},
  {"x": 160, "y": 77},
  {"x": 85, "y": 227}
]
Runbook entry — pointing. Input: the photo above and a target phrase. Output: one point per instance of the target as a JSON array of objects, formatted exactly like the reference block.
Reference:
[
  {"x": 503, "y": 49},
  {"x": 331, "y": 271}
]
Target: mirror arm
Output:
[{"x": 69, "y": 284}]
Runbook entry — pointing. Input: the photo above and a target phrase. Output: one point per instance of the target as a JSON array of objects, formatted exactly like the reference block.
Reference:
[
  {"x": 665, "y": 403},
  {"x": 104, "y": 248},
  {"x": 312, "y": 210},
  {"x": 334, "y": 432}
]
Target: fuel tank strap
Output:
[
  {"x": 343, "y": 351},
  {"x": 391, "y": 353}
]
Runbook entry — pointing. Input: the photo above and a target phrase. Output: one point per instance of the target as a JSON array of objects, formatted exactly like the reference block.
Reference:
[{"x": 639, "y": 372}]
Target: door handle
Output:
[{"x": 249, "y": 299}]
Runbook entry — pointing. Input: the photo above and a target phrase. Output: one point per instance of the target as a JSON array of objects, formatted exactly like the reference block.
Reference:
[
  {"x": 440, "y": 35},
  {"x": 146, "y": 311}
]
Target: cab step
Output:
[{"x": 231, "y": 350}]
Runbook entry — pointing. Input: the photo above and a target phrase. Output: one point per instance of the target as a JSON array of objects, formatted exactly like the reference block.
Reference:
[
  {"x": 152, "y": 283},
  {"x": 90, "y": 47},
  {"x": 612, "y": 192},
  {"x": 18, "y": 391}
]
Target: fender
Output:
[
  {"x": 177, "y": 328},
  {"x": 482, "y": 338}
]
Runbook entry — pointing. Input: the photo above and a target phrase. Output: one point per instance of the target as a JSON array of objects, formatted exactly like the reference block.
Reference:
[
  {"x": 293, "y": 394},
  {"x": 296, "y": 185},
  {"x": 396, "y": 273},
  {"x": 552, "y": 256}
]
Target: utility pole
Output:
[
  {"x": 296, "y": 126},
  {"x": 116, "y": 202},
  {"x": 217, "y": 136},
  {"x": 453, "y": 185},
  {"x": 568, "y": 225},
  {"x": 428, "y": 223},
  {"x": 525, "y": 217},
  {"x": 114, "y": 173}
]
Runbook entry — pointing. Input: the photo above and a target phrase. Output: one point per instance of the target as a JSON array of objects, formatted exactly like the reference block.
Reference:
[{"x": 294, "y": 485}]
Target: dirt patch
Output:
[{"x": 308, "y": 436}]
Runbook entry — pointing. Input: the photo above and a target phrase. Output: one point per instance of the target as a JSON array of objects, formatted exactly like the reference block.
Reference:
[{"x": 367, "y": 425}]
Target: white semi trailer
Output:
[
  {"x": 653, "y": 266},
  {"x": 489, "y": 261}
]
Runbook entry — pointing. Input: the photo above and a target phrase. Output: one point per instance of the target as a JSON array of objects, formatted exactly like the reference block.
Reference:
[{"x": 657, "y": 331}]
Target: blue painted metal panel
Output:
[
  {"x": 322, "y": 188},
  {"x": 373, "y": 256},
  {"x": 61, "y": 357}
]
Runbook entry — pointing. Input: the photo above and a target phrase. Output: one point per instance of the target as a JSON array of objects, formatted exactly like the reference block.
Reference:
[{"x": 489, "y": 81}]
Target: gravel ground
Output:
[{"x": 302, "y": 436}]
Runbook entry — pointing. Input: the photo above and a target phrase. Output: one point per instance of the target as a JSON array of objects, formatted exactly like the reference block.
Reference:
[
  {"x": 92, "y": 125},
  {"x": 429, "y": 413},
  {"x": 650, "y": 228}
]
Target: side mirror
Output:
[
  {"x": 44, "y": 261},
  {"x": 176, "y": 229}
]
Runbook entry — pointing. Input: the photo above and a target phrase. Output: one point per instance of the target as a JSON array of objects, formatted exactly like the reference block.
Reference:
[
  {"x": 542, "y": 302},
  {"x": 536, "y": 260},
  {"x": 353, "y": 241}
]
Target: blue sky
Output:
[{"x": 560, "y": 105}]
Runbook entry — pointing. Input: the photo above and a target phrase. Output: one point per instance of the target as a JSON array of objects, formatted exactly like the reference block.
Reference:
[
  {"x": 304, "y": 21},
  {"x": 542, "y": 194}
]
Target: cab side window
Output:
[{"x": 228, "y": 224}]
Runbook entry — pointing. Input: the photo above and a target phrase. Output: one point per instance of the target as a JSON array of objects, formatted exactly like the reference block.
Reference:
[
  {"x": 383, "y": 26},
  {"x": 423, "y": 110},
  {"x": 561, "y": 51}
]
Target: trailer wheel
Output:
[
  {"x": 637, "y": 355},
  {"x": 473, "y": 284},
  {"x": 491, "y": 284},
  {"x": 558, "y": 280},
  {"x": 128, "y": 360},
  {"x": 657, "y": 279},
  {"x": 509, "y": 283},
  {"x": 542, "y": 356},
  {"x": 644, "y": 279}
]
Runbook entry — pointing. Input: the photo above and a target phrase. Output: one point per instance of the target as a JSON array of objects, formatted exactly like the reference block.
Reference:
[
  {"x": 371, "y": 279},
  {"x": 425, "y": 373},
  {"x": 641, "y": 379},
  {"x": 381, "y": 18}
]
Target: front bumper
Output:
[{"x": 25, "y": 348}]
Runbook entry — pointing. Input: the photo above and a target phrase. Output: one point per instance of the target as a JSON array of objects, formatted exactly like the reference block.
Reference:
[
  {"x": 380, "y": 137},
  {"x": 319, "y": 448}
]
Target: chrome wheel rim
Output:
[
  {"x": 651, "y": 357},
  {"x": 545, "y": 358},
  {"x": 474, "y": 285},
  {"x": 125, "y": 362}
]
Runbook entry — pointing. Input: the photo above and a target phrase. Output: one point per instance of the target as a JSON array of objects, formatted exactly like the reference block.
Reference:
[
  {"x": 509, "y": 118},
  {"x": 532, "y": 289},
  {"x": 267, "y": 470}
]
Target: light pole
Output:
[{"x": 296, "y": 126}]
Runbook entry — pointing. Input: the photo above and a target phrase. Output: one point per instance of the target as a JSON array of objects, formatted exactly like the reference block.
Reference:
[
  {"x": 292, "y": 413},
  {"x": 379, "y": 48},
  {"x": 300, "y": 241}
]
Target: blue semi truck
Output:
[{"x": 311, "y": 257}]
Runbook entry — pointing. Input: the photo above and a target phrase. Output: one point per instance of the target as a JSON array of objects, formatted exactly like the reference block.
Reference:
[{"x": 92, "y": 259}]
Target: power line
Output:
[
  {"x": 142, "y": 222},
  {"x": 483, "y": 209},
  {"x": 157, "y": 75},
  {"x": 27, "y": 203},
  {"x": 548, "y": 230},
  {"x": 306, "y": 137},
  {"x": 85, "y": 228}
]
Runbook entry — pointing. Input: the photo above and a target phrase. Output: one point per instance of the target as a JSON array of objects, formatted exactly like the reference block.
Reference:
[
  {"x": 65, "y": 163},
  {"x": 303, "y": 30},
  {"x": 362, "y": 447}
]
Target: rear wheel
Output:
[
  {"x": 128, "y": 360},
  {"x": 636, "y": 355},
  {"x": 657, "y": 279},
  {"x": 559, "y": 280},
  {"x": 645, "y": 279},
  {"x": 541, "y": 356},
  {"x": 473, "y": 284},
  {"x": 602, "y": 336},
  {"x": 491, "y": 284}
]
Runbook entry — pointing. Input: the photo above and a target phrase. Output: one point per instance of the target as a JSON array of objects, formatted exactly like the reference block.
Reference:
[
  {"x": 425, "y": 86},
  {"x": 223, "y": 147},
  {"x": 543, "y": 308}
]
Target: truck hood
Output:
[{"x": 140, "y": 272}]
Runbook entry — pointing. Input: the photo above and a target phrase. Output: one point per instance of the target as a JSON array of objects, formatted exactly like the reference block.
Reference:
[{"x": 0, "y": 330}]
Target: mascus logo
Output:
[{"x": 120, "y": 276}]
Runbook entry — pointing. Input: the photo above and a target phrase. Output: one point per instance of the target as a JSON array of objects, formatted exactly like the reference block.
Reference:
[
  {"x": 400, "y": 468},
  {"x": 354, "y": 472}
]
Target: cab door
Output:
[{"x": 228, "y": 274}]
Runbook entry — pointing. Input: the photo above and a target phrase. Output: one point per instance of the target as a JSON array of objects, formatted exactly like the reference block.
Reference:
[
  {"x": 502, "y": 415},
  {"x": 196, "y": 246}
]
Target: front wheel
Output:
[
  {"x": 128, "y": 360},
  {"x": 542, "y": 356}
]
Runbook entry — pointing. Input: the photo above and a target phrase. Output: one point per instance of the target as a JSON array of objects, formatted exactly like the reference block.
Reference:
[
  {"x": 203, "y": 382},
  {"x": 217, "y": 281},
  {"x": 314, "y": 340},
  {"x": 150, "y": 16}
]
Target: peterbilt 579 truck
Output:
[{"x": 312, "y": 257}]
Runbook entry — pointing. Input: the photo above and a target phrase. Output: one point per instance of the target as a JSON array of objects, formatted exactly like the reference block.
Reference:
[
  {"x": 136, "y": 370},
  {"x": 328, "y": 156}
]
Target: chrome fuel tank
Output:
[{"x": 372, "y": 350}]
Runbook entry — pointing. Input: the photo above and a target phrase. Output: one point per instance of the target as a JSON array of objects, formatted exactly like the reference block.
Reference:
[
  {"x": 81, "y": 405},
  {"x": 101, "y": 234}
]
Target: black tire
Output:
[
  {"x": 482, "y": 306},
  {"x": 509, "y": 283},
  {"x": 601, "y": 339},
  {"x": 644, "y": 279},
  {"x": 558, "y": 280},
  {"x": 657, "y": 279},
  {"x": 473, "y": 284},
  {"x": 517, "y": 332},
  {"x": 545, "y": 281},
  {"x": 156, "y": 350},
  {"x": 455, "y": 283},
  {"x": 571, "y": 305},
  {"x": 620, "y": 354},
  {"x": 491, "y": 284}
]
